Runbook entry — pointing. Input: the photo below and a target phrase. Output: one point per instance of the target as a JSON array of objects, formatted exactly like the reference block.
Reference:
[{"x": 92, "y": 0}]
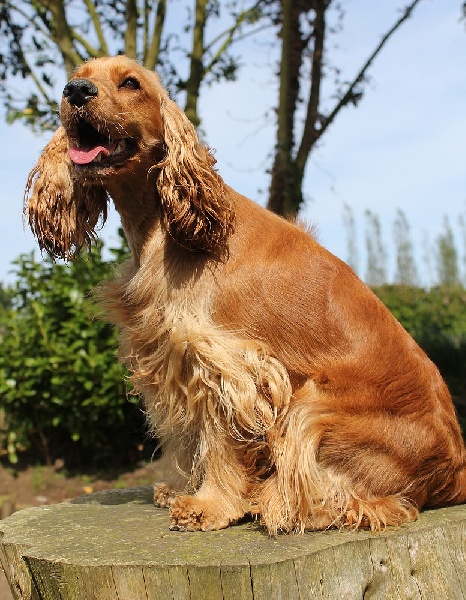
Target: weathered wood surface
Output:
[{"x": 117, "y": 546}]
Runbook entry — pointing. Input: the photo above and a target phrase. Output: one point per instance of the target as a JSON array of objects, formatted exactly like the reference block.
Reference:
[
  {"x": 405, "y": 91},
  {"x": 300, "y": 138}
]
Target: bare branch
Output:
[
  {"x": 310, "y": 135},
  {"x": 36, "y": 23},
  {"x": 145, "y": 26},
  {"x": 349, "y": 95},
  {"x": 46, "y": 99},
  {"x": 92, "y": 52}
]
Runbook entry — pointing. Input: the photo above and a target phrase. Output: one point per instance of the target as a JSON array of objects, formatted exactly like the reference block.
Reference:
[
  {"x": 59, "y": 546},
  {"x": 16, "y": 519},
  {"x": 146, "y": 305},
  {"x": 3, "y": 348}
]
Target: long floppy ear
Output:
[
  {"x": 62, "y": 214},
  {"x": 196, "y": 207}
]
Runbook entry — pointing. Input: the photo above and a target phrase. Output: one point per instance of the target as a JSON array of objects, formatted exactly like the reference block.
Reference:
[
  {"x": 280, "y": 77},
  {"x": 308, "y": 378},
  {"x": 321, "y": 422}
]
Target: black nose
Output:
[{"x": 79, "y": 91}]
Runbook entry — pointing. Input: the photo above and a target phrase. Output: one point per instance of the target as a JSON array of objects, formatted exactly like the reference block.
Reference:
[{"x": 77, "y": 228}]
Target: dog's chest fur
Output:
[{"x": 187, "y": 368}]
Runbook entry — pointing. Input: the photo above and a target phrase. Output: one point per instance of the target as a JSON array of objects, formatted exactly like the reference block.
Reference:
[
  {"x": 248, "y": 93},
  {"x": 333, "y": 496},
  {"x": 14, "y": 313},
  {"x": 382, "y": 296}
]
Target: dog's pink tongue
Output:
[{"x": 83, "y": 156}]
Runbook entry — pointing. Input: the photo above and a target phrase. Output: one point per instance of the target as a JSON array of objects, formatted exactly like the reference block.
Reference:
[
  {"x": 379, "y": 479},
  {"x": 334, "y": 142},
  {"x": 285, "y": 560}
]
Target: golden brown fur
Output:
[{"x": 276, "y": 381}]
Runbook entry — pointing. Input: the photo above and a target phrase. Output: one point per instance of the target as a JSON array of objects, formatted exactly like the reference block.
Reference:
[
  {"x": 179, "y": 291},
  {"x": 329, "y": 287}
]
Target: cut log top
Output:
[{"x": 116, "y": 545}]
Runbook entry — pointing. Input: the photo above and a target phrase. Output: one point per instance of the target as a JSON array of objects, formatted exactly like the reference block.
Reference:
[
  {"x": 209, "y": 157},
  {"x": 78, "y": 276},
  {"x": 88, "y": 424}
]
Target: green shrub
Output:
[
  {"x": 436, "y": 319},
  {"x": 62, "y": 391}
]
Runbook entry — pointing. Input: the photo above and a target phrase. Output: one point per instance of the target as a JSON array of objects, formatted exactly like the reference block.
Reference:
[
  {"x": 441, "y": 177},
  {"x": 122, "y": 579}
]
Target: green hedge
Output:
[
  {"x": 436, "y": 319},
  {"x": 62, "y": 391}
]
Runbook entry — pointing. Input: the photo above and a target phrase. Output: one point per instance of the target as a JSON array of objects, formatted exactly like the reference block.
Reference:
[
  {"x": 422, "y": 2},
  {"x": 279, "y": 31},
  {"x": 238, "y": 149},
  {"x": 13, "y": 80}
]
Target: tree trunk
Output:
[
  {"x": 131, "y": 28},
  {"x": 196, "y": 73},
  {"x": 290, "y": 161},
  {"x": 115, "y": 544},
  {"x": 63, "y": 35},
  {"x": 152, "y": 51},
  {"x": 285, "y": 197}
]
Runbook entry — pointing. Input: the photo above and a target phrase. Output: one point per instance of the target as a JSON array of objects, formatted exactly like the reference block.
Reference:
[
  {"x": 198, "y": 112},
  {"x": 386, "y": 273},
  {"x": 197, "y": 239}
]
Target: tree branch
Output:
[
  {"x": 62, "y": 35},
  {"x": 309, "y": 136},
  {"x": 196, "y": 67},
  {"x": 145, "y": 26},
  {"x": 51, "y": 104},
  {"x": 131, "y": 28},
  {"x": 230, "y": 36},
  {"x": 91, "y": 51},
  {"x": 32, "y": 21},
  {"x": 153, "y": 51},
  {"x": 103, "y": 50},
  {"x": 349, "y": 95}
]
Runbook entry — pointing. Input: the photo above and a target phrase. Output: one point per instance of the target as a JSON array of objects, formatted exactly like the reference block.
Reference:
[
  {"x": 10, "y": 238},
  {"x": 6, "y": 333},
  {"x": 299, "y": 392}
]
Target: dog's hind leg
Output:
[{"x": 340, "y": 467}]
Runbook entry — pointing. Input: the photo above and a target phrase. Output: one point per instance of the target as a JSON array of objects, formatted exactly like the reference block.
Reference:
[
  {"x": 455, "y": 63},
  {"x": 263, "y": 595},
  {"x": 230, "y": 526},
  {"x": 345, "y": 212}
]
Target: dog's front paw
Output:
[
  {"x": 164, "y": 494},
  {"x": 188, "y": 513}
]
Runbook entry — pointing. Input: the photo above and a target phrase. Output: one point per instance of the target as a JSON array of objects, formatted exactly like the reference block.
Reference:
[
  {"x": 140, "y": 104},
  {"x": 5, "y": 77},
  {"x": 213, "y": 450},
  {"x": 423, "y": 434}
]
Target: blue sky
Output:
[{"x": 402, "y": 147}]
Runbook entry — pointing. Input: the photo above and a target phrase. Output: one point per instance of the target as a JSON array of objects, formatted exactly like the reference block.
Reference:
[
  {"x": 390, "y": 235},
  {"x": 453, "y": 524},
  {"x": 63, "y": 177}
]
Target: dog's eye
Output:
[{"x": 130, "y": 83}]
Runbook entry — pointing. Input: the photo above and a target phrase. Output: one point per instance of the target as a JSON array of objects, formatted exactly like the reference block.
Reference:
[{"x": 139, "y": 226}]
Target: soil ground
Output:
[{"x": 27, "y": 486}]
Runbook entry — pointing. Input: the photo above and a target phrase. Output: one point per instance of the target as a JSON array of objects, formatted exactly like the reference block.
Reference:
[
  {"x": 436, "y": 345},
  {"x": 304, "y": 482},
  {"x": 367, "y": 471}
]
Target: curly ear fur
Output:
[
  {"x": 62, "y": 214},
  {"x": 196, "y": 209}
]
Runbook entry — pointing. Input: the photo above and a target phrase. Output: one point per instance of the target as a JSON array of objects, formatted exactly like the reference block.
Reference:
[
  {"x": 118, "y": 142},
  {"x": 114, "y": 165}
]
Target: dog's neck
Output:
[{"x": 136, "y": 201}]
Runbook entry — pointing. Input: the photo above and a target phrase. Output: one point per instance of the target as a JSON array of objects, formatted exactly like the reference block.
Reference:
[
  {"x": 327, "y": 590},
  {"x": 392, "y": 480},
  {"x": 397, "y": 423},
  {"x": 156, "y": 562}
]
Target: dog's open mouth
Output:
[{"x": 93, "y": 148}]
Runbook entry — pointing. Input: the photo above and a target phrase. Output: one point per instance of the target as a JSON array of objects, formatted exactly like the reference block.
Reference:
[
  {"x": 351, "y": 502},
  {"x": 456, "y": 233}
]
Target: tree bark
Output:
[
  {"x": 62, "y": 34},
  {"x": 285, "y": 195},
  {"x": 196, "y": 73},
  {"x": 115, "y": 544},
  {"x": 131, "y": 28},
  {"x": 151, "y": 57}
]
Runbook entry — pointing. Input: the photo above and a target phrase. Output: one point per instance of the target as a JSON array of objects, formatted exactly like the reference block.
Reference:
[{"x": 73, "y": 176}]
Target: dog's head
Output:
[
  {"x": 119, "y": 132},
  {"x": 111, "y": 113}
]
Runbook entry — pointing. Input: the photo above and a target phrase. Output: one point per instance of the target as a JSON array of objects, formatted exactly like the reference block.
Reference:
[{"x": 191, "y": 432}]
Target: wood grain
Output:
[{"x": 115, "y": 545}]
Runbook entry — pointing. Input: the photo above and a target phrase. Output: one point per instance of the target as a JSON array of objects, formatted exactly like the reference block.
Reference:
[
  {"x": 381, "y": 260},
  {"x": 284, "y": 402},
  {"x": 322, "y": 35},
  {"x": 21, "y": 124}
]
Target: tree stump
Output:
[{"x": 116, "y": 546}]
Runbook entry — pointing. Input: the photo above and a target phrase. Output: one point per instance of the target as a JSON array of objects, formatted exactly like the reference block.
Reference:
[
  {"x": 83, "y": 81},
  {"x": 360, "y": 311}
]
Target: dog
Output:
[{"x": 278, "y": 385}]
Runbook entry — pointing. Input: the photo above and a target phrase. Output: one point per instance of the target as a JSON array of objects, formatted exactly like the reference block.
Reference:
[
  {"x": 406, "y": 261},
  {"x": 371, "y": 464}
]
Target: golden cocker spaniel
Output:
[{"x": 275, "y": 380}]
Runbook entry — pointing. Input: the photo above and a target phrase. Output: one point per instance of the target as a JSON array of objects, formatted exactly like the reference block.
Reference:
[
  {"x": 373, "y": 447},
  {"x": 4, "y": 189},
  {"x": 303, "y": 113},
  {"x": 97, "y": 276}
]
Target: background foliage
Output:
[
  {"x": 436, "y": 318},
  {"x": 62, "y": 391}
]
